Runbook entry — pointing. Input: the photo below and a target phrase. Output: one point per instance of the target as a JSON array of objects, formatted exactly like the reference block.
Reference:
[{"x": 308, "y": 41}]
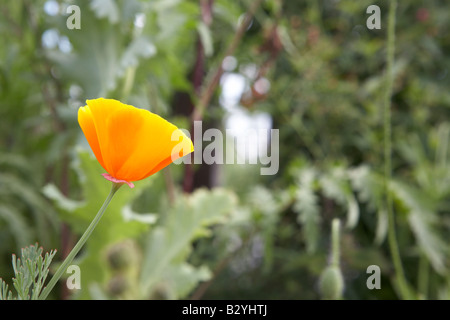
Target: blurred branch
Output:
[
  {"x": 208, "y": 90},
  {"x": 207, "y": 93},
  {"x": 197, "y": 80}
]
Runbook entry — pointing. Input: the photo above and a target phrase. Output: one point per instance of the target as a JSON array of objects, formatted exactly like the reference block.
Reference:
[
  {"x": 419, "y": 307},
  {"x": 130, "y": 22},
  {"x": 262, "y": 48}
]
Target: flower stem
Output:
[
  {"x": 423, "y": 277},
  {"x": 80, "y": 243},
  {"x": 392, "y": 236},
  {"x": 335, "y": 239}
]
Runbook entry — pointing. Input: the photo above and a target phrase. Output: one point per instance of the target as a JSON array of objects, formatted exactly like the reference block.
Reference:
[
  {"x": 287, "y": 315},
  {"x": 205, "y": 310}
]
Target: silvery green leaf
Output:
[{"x": 106, "y": 9}]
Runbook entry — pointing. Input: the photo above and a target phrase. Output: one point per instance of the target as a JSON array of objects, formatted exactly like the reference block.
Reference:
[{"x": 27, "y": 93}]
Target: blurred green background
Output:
[{"x": 311, "y": 69}]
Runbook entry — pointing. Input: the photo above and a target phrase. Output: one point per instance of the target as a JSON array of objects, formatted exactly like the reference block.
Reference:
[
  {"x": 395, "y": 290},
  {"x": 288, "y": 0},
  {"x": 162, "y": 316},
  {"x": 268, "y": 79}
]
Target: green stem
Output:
[
  {"x": 335, "y": 239},
  {"x": 423, "y": 277},
  {"x": 80, "y": 243},
  {"x": 392, "y": 236}
]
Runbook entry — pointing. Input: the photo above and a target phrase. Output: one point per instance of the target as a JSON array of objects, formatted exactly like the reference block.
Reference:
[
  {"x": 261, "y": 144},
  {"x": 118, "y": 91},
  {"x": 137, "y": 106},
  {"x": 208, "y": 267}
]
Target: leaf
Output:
[
  {"x": 432, "y": 245},
  {"x": 382, "y": 226},
  {"x": 229, "y": 11},
  {"x": 352, "y": 211},
  {"x": 15, "y": 161},
  {"x": 140, "y": 47},
  {"x": 30, "y": 272},
  {"x": 106, "y": 9},
  {"x": 94, "y": 62},
  {"x": 5, "y": 294},
  {"x": 129, "y": 215},
  {"x": 336, "y": 186},
  {"x": 307, "y": 207},
  {"x": 169, "y": 243},
  {"x": 422, "y": 219},
  {"x": 369, "y": 189},
  {"x": 182, "y": 278},
  {"x": 52, "y": 192},
  {"x": 367, "y": 185},
  {"x": 206, "y": 38},
  {"x": 44, "y": 215},
  {"x": 263, "y": 201},
  {"x": 18, "y": 225}
]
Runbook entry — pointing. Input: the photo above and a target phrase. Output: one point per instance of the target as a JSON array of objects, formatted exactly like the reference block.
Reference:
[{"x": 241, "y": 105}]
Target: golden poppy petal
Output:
[
  {"x": 183, "y": 147},
  {"x": 123, "y": 129},
  {"x": 159, "y": 167},
  {"x": 102, "y": 110},
  {"x": 153, "y": 147},
  {"x": 86, "y": 122}
]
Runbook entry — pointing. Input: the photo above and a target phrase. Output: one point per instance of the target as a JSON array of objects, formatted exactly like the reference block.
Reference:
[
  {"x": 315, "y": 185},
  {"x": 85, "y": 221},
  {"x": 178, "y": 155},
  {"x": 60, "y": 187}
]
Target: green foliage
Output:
[
  {"x": 160, "y": 269},
  {"x": 255, "y": 236},
  {"x": 119, "y": 222},
  {"x": 30, "y": 271},
  {"x": 25, "y": 215},
  {"x": 168, "y": 245},
  {"x": 307, "y": 208}
]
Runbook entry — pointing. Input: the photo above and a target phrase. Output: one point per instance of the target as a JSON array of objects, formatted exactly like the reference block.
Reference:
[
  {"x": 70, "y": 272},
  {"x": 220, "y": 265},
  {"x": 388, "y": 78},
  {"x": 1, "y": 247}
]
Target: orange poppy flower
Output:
[{"x": 130, "y": 143}]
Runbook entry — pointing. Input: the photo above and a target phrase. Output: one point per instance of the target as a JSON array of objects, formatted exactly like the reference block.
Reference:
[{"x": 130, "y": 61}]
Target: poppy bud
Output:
[
  {"x": 331, "y": 283},
  {"x": 331, "y": 280}
]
